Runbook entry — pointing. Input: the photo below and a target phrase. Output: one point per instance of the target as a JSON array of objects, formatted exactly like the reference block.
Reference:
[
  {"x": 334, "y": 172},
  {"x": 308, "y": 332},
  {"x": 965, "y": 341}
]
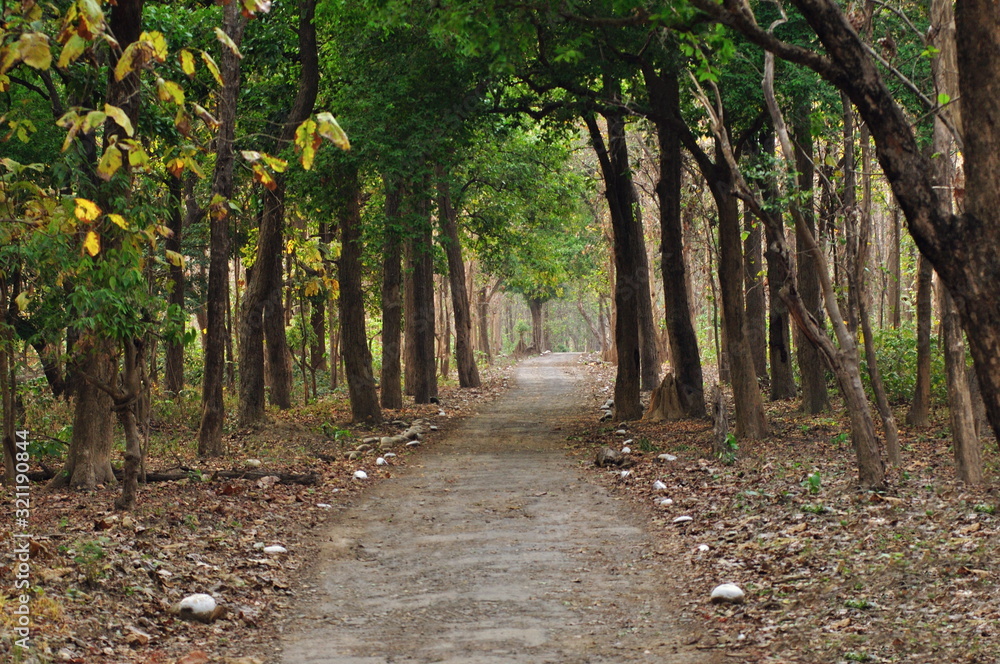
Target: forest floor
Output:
[{"x": 831, "y": 574}]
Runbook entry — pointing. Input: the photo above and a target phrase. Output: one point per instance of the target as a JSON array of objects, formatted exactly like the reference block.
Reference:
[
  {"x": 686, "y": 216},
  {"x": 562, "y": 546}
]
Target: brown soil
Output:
[{"x": 494, "y": 548}]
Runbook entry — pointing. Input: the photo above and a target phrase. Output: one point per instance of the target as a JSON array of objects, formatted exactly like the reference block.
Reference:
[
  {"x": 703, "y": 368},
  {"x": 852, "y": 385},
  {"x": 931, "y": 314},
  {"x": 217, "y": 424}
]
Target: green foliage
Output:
[
  {"x": 813, "y": 483},
  {"x": 730, "y": 448},
  {"x": 897, "y": 356}
]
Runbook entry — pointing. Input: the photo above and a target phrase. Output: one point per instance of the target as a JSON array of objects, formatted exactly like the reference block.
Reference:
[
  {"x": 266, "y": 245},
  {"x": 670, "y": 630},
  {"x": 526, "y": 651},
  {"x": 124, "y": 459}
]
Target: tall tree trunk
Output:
[
  {"x": 756, "y": 303},
  {"x": 779, "y": 340},
  {"x": 88, "y": 460},
  {"x": 357, "y": 356},
  {"x": 392, "y": 305},
  {"x": 263, "y": 298},
  {"x": 685, "y": 357},
  {"x": 918, "y": 416},
  {"x": 895, "y": 271},
  {"x": 857, "y": 242},
  {"x": 213, "y": 412},
  {"x": 842, "y": 359},
  {"x": 815, "y": 398},
  {"x": 649, "y": 348},
  {"x": 537, "y": 337},
  {"x": 127, "y": 405},
  {"x": 625, "y": 231},
  {"x": 967, "y": 446},
  {"x": 468, "y": 373},
  {"x": 173, "y": 372},
  {"x": 279, "y": 354},
  {"x": 483, "y": 304},
  {"x": 420, "y": 317},
  {"x": 8, "y": 386},
  {"x": 751, "y": 423}
]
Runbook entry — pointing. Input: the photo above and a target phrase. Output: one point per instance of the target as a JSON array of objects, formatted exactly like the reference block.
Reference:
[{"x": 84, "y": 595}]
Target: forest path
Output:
[{"x": 496, "y": 549}]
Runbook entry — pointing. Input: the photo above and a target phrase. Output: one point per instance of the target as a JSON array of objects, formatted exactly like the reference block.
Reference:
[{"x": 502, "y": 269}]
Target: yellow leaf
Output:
[
  {"x": 22, "y": 301},
  {"x": 71, "y": 51},
  {"x": 86, "y": 210},
  {"x": 176, "y": 259},
  {"x": 92, "y": 243},
  {"x": 110, "y": 162},
  {"x": 138, "y": 159},
  {"x": 261, "y": 175},
  {"x": 127, "y": 62},
  {"x": 331, "y": 130},
  {"x": 93, "y": 120},
  {"x": 170, "y": 91},
  {"x": 118, "y": 115},
  {"x": 118, "y": 221},
  {"x": 206, "y": 117},
  {"x": 183, "y": 122},
  {"x": 4, "y": 83},
  {"x": 312, "y": 287},
  {"x": 304, "y": 135},
  {"x": 157, "y": 42},
  {"x": 276, "y": 164},
  {"x": 187, "y": 62},
  {"x": 228, "y": 42},
  {"x": 34, "y": 50},
  {"x": 176, "y": 167},
  {"x": 212, "y": 67}
]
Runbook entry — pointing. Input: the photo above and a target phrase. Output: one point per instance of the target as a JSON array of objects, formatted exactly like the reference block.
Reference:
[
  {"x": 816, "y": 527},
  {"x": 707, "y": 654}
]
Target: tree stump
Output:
[{"x": 665, "y": 402}]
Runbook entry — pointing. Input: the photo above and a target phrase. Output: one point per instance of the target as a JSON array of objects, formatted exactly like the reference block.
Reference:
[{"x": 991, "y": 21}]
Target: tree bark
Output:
[
  {"x": 468, "y": 372},
  {"x": 967, "y": 446},
  {"x": 357, "y": 357},
  {"x": 685, "y": 356},
  {"x": 88, "y": 461},
  {"x": 815, "y": 398},
  {"x": 756, "y": 304},
  {"x": 779, "y": 340},
  {"x": 919, "y": 413},
  {"x": 263, "y": 297},
  {"x": 420, "y": 318},
  {"x": 392, "y": 305},
  {"x": 213, "y": 414},
  {"x": 537, "y": 338},
  {"x": 751, "y": 423},
  {"x": 483, "y": 304},
  {"x": 625, "y": 232},
  {"x": 126, "y": 404}
]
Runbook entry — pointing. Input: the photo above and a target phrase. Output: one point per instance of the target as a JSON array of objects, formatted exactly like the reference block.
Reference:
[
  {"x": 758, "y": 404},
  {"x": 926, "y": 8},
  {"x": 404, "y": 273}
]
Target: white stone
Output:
[
  {"x": 389, "y": 455},
  {"x": 381, "y": 462},
  {"x": 703, "y": 548},
  {"x": 197, "y": 607},
  {"x": 667, "y": 457},
  {"x": 627, "y": 442},
  {"x": 621, "y": 432},
  {"x": 665, "y": 502},
  {"x": 729, "y": 593},
  {"x": 413, "y": 443},
  {"x": 626, "y": 473},
  {"x": 325, "y": 506},
  {"x": 360, "y": 475},
  {"x": 441, "y": 413},
  {"x": 659, "y": 486},
  {"x": 275, "y": 548},
  {"x": 434, "y": 427},
  {"x": 252, "y": 463},
  {"x": 683, "y": 519},
  {"x": 626, "y": 450}
]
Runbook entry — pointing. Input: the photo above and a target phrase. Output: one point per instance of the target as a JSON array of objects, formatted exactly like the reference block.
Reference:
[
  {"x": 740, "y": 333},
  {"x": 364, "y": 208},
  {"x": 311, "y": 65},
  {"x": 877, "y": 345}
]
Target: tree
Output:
[
  {"x": 263, "y": 308},
  {"x": 213, "y": 408}
]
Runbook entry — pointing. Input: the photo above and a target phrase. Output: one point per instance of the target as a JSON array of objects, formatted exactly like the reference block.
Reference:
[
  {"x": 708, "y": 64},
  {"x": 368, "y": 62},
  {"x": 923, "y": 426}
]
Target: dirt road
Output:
[{"x": 495, "y": 550}]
